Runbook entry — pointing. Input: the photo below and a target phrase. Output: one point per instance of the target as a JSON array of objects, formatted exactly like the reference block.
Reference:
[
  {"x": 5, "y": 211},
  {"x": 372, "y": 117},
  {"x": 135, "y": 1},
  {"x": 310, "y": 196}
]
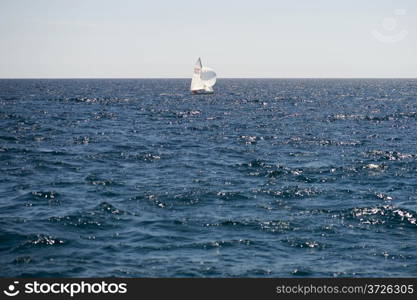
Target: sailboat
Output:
[{"x": 204, "y": 78}]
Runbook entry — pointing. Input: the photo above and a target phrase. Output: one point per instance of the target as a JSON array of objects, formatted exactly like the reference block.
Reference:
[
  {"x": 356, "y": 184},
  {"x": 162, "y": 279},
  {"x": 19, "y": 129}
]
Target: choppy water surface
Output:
[{"x": 263, "y": 178}]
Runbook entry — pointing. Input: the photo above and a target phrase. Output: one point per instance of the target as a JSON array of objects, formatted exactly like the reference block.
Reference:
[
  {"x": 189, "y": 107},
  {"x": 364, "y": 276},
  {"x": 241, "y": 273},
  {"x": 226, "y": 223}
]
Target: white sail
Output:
[
  {"x": 204, "y": 78},
  {"x": 208, "y": 76},
  {"x": 196, "y": 82}
]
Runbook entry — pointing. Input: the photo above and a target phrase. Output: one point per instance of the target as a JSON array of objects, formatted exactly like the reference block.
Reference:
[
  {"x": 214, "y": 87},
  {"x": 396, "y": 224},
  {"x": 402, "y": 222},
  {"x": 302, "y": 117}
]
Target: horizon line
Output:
[{"x": 188, "y": 78}]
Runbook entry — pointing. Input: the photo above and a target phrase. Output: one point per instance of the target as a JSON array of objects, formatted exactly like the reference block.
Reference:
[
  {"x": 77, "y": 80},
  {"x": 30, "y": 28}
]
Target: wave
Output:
[
  {"x": 387, "y": 215},
  {"x": 102, "y": 216},
  {"x": 40, "y": 240},
  {"x": 307, "y": 244},
  {"x": 50, "y": 198},
  {"x": 273, "y": 226},
  {"x": 381, "y": 155},
  {"x": 361, "y": 117},
  {"x": 84, "y": 99},
  {"x": 291, "y": 192}
]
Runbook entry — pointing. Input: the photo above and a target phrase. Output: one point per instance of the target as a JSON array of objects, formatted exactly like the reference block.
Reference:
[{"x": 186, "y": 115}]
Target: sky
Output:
[{"x": 239, "y": 39}]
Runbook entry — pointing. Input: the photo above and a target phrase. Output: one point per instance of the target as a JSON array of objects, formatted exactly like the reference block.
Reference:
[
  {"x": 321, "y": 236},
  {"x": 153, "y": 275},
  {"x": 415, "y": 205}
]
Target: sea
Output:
[{"x": 263, "y": 178}]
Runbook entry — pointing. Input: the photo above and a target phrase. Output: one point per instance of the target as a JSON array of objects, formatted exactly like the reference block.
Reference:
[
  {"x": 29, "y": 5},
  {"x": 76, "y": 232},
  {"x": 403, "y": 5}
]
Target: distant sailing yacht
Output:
[{"x": 203, "y": 79}]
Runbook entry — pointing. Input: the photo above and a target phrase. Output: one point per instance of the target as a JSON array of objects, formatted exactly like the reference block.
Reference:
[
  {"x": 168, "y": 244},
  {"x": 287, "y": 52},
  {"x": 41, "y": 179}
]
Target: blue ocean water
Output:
[{"x": 264, "y": 178}]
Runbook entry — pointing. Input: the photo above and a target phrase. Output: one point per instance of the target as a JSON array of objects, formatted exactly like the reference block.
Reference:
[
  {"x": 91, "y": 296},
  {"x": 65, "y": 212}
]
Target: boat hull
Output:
[{"x": 201, "y": 92}]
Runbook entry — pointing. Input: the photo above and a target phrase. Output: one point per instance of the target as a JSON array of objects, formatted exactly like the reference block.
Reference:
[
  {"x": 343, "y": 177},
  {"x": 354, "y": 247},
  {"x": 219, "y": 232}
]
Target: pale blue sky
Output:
[{"x": 140, "y": 39}]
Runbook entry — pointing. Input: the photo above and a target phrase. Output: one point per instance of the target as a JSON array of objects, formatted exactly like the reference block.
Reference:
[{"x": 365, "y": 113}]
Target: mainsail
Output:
[
  {"x": 204, "y": 78},
  {"x": 196, "y": 82}
]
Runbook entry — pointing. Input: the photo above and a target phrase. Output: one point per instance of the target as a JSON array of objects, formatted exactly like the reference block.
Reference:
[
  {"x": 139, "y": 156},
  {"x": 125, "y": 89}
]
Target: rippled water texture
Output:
[{"x": 263, "y": 178}]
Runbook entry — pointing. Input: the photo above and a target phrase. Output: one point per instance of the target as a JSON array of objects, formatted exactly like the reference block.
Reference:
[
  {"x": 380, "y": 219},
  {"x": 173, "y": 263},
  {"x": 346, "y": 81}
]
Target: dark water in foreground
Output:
[{"x": 264, "y": 178}]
